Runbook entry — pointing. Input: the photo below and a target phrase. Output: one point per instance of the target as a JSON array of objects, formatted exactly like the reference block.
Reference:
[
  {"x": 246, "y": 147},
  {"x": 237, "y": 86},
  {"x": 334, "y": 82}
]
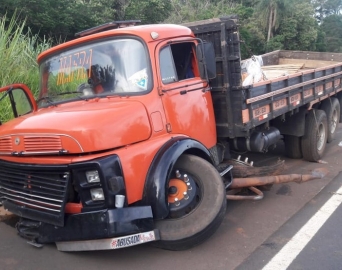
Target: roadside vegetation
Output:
[{"x": 19, "y": 49}]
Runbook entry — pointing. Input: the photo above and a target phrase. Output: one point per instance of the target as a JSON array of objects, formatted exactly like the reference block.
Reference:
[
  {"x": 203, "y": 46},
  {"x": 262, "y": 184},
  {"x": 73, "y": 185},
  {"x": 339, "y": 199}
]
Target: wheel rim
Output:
[
  {"x": 183, "y": 194},
  {"x": 320, "y": 137},
  {"x": 334, "y": 120}
]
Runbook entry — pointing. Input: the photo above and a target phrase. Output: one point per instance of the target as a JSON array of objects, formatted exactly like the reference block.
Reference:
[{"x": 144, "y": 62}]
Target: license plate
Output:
[
  {"x": 132, "y": 240},
  {"x": 109, "y": 243}
]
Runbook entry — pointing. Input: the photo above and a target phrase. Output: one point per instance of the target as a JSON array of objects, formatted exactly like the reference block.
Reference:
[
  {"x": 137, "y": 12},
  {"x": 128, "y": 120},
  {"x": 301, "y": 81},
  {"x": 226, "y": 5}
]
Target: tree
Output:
[
  {"x": 321, "y": 44},
  {"x": 334, "y": 7},
  {"x": 61, "y": 19},
  {"x": 49, "y": 18},
  {"x": 271, "y": 12},
  {"x": 253, "y": 39},
  {"x": 332, "y": 26},
  {"x": 325, "y": 8},
  {"x": 194, "y": 10},
  {"x": 297, "y": 31},
  {"x": 148, "y": 11}
]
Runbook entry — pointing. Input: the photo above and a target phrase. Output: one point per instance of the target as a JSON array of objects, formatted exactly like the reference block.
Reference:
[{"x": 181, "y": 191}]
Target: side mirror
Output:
[{"x": 206, "y": 60}]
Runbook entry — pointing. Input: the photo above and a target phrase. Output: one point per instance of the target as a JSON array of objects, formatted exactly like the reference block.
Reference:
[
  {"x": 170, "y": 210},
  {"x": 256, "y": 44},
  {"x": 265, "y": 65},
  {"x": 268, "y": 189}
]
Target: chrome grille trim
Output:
[
  {"x": 39, "y": 191},
  {"x": 33, "y": 205},
  {"x": 23, "y": 193}
]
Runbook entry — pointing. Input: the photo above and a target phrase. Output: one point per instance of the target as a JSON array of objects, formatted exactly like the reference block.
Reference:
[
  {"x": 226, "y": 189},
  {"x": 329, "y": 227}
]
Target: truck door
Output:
[
  {"x": 15, "y": 100},
  {"x": 185, "y": 96}
]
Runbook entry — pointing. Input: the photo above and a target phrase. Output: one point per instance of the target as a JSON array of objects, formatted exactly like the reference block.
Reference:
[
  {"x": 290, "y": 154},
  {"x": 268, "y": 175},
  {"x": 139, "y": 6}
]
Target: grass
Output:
[{"x": 19, "y": 49}]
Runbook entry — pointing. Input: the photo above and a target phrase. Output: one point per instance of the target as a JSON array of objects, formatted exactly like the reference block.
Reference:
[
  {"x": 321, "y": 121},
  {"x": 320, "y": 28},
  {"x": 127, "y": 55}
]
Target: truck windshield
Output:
[{"x": 111, "y": 67}]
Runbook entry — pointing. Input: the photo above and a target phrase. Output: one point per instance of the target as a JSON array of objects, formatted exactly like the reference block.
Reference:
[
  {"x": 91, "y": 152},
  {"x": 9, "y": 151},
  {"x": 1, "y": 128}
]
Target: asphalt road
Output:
[
  {"x": 322, "y": 251},
  {"x": 247, "y": 229}
]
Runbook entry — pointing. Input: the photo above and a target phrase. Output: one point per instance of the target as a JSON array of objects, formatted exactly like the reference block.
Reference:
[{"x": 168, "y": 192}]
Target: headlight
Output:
[
  {"x": 97, "y": 194},
  {"x": 93, "y": 176}
]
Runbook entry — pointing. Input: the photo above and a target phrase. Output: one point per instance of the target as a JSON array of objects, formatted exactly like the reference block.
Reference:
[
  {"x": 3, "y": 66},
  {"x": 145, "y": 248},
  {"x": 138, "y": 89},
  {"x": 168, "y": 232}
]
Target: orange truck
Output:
[{"x": 125, "y": 142}]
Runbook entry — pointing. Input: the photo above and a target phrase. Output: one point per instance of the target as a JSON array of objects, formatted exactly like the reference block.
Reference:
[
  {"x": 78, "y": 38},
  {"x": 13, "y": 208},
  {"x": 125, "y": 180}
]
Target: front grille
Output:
[
  {"x": 39, "y": 190},
  {"x": 6, "y": 144},
  {"x": 31, "y": 143},
  {"x": 42, "y": 143}
]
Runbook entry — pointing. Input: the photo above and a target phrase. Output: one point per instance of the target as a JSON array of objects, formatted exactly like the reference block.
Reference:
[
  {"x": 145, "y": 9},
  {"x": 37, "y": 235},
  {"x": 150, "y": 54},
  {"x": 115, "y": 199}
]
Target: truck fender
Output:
[{"x": 155, "y": 190}]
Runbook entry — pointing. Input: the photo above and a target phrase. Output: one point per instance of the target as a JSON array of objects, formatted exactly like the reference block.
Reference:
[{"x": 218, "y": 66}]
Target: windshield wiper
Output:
[
  {"x": 66, "y": 93},
  {"x": 47, "y": 99},
  {"x": 72, "y": 92}
]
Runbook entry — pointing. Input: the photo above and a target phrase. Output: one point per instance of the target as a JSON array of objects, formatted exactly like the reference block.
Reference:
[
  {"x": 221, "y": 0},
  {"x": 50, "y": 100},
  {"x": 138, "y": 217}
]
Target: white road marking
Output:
[{"x": 290, "y": 251}]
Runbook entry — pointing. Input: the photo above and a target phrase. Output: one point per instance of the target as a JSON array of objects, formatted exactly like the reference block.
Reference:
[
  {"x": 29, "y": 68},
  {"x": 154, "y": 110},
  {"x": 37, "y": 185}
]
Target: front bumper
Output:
[
  {"x": 89, "y": 226},
  {"x": 38, "y": 194}
]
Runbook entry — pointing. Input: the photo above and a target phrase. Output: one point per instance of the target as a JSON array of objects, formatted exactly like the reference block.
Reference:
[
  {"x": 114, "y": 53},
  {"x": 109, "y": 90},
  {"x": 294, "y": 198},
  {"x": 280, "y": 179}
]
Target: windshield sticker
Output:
[
  {"x": 142, "y": 83},
  {"x": 73, "y": 67},
  {"x": 140, "y": 79}
]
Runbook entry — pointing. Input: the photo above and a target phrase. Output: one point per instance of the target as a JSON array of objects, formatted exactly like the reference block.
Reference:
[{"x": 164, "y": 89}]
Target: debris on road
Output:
[{"x": 4, "y": 214}]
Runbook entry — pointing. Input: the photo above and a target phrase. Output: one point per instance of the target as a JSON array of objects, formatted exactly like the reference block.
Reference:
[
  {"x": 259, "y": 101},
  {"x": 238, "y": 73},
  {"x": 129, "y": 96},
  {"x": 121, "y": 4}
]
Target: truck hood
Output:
[{"x": 77, "y": 127}]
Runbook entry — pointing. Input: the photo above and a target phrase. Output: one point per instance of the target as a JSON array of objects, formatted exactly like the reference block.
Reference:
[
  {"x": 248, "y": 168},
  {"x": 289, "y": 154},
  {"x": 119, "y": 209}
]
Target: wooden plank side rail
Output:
[{"x": 289, "y": 88}]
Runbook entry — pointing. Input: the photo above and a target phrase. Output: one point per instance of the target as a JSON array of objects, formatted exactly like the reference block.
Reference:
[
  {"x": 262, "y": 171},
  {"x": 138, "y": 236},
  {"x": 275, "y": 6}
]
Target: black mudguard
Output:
[{"x": 155, "y": 191}]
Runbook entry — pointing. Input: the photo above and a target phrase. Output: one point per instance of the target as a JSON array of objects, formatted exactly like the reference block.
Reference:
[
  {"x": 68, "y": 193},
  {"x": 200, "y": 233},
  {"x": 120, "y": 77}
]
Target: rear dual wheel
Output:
[
  {"x": 332, "y": 109},
  {"x": 197, "y": 202},
  {"x": 314, "y": 141},
  {"x": 339, "y": 98}
]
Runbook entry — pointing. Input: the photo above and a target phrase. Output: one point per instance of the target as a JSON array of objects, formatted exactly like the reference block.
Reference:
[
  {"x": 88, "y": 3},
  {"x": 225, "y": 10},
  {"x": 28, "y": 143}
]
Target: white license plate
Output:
[
  {"x": 109, "y": 243},
  {"x": 134, "y": 239}
]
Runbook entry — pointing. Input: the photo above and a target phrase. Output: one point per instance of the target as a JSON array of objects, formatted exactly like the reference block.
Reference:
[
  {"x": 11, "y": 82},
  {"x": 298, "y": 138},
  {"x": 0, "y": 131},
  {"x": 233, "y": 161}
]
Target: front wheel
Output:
[{"x": 197, "y": 202}]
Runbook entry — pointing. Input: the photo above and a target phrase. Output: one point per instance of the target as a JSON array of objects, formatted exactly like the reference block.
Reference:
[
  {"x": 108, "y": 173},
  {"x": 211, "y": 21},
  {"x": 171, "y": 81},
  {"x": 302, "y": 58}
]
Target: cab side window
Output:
[
  {"x": 176, "y": 62},
  {"x": 14, "y": 103}
]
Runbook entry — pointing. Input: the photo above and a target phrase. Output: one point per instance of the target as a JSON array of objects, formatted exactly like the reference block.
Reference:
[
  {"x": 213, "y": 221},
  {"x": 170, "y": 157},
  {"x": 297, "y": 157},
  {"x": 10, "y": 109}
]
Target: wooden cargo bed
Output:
[
  {"x": 289, "y": 80},
  {"x": 283, "y": 63},
  {"x": 311, "y": 77}
]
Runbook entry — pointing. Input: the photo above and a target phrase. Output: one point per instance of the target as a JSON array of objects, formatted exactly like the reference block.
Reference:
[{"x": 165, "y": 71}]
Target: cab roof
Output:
[{"x": 164, "y": 31}]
